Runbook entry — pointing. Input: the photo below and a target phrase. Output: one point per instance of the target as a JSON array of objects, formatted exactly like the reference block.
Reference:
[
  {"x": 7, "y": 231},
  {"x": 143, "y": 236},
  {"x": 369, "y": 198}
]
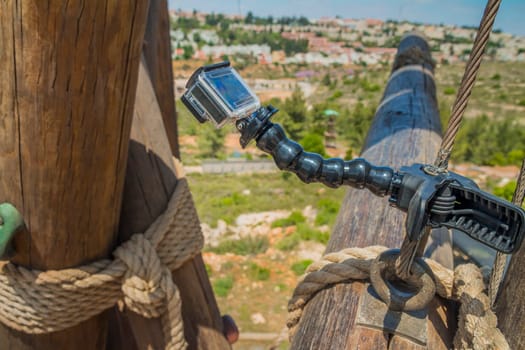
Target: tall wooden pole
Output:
[
  {"x": 67, "y": 89},
  {"x": 406, "y": 129},
  {"x": 200, "y": 312},
  {"x": 151, "y": 179},
  {"x": 510, "y": 305},
  {"x": 157, "y": 52}
]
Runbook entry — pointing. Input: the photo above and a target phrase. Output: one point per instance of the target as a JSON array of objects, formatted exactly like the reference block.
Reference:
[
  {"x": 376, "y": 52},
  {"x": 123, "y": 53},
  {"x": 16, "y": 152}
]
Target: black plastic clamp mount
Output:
[
  {"x": 430, "y": 197},
  {"x": 311, "y": 167},
  {"x": 456, "y": 202}
]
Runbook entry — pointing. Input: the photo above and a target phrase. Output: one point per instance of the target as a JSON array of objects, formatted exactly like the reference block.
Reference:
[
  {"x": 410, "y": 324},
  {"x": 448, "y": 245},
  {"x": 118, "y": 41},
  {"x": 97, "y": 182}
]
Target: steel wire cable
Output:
[
  {"x": 467, "y": 82},
  {"x": 460, "y": 104}
]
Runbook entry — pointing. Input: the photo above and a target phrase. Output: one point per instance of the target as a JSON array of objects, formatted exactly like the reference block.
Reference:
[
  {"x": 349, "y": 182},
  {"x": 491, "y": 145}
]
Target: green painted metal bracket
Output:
[{"x": 10, "y": 222}]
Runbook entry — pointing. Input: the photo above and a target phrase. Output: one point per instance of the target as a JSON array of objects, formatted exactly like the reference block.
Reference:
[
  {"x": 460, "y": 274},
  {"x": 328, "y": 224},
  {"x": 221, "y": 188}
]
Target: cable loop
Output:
[{"x": 410, "y": 293}]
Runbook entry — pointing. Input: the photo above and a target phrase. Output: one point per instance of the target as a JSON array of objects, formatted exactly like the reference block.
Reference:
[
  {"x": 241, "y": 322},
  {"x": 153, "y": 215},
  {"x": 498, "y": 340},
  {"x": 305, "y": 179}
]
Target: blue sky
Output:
[{"x": 459, "y": 12}]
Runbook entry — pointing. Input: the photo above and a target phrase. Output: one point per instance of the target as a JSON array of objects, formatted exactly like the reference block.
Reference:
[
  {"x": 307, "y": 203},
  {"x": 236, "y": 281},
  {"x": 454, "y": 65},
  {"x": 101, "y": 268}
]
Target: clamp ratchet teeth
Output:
[{"x": 486, "y": 218}]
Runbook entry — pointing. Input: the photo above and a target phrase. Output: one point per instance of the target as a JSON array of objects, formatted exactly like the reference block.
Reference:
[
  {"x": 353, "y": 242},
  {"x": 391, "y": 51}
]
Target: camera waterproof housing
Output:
[{"x": 217, "y": 92}]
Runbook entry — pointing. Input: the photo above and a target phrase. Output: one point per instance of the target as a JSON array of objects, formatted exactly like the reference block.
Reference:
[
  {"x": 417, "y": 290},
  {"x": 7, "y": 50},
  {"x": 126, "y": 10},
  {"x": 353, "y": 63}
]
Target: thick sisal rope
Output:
[
  {"x": 477, "y": 323},
  {"x": 41, "y": 302}
]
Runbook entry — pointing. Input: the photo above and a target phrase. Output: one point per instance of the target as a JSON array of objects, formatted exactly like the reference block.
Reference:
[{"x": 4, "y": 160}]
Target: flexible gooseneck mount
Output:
[
  {"x": 429, "y": 196},
  {"x": 311, "y": 167}
]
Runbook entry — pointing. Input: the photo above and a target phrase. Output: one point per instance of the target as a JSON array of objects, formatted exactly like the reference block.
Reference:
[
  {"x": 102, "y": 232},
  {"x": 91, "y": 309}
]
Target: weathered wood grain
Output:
[
  {"x": 406, "y": 129},
  {"x": 67, "y": 89},
  {"x": 364, "y": 338},
  {"x": 151, "y": 178},
  {"x": 510, "y": 305},
  {"x": 157, "y": 52}
]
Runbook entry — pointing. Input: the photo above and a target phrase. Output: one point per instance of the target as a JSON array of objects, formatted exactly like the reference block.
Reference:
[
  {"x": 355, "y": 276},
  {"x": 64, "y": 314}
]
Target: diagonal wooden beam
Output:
[
  {"x": 157, "y": 53},
  {"x": 406, "y": 129},
  {"x": 151, "y": 178}
]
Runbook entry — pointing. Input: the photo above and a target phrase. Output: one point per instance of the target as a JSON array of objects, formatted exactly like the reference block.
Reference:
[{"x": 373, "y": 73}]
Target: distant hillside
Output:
[{"x": 324, "y": 41}]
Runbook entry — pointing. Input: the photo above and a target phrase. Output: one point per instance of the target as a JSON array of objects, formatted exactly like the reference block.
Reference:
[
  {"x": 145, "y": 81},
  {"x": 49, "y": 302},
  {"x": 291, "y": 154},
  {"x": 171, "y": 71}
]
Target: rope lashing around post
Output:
[
  {"x": 477, "y": 323},
  {"x": 46, "y": 301},
  {"x": 411, "y": 56}
]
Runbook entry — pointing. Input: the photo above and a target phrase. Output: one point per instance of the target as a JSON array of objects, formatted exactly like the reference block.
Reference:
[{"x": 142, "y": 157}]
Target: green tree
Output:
[
  {"x": 326, "y": 81},
  {"x": 213, "y": 19},
  {"x": 224, "y": 27},
  {"x": 211, "y": 141},
  {"x": 516, "y": 156},
  {"x": 355, "y": 125},
  {"x": 249, "y": 19},
  {"x": 487, "y": 141},
  {"x": 473, "y": 142},
  {"x": 317, "y": 121},
  {"x": 188, "y": 52},
  {"x": 197, "y": 37},
  {"x": 303, "y": 21},
  {"x": 185, "y": 24},
  {"x": 506, "y": 191},
  {"x": 313, "y": 143},
  {"x": 294, "y": 119},
  {"x": 292, "y": 47}
]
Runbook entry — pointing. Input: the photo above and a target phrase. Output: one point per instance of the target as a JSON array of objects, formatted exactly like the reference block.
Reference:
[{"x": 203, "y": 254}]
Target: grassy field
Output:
[
  {"x": 226, "y": 196},
  {"x": 499, "y": 91},
  {"x": 254, "y": 277}
]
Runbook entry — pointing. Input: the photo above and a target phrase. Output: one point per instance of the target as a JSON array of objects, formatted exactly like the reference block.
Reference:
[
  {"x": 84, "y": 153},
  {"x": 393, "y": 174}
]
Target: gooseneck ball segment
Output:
[{"x": 311, "y": 167}]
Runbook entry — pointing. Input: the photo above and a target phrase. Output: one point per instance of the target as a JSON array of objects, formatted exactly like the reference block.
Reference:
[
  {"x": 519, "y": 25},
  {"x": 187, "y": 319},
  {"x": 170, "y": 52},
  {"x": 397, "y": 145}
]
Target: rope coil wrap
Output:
[
  {"x": 477, "y": 323},
  {"x": 38, "y": 302},
  {"x": 413, "y": 56}
]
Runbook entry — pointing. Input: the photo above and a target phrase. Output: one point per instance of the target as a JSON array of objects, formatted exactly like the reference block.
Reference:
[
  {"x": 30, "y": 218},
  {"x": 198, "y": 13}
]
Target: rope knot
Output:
[
  {"x": 148, "y": 287},
  {"x": 144, "y": 284}
]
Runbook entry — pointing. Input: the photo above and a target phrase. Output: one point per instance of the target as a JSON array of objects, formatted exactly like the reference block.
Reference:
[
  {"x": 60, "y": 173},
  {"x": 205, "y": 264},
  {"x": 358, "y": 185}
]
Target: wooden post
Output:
[
  {"x": 157, "y": 52},
  {"x": 406, "y": 129},
  {"x": 510, "y": 305},
  {"x": 67, "y": 89},
  {"x": 150, "y": 180}
]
